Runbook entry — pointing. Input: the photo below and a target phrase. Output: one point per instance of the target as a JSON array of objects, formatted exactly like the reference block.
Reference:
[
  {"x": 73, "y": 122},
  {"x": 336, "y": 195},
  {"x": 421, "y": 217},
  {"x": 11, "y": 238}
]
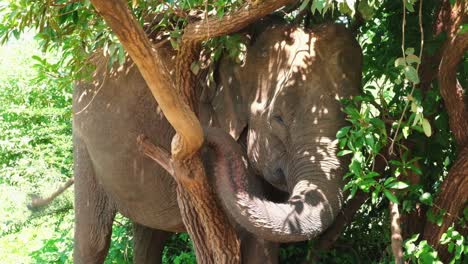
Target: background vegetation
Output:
[{"x": 399, "y": 110}]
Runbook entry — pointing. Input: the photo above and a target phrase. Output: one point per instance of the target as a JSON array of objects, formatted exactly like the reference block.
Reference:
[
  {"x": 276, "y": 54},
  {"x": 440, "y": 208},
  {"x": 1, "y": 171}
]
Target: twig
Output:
[
  {"x": 177, "y": 12},
  {"x": 157, "y": 153},
  {"x": 65, "y": 4},
  {"x": 390, "y": 149},
  {"x": 41, "y": 202}
]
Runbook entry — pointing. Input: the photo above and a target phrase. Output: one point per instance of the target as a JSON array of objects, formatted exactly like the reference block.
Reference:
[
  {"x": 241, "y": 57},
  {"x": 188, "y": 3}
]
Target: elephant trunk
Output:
[{"x": 311, "y": 208}]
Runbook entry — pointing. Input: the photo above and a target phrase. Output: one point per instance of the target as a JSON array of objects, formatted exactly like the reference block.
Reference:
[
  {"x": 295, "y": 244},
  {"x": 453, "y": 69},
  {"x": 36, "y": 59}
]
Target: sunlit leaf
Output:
[
  {"x": 426, "y": 198},
  {"x": 426, "y": 127},
  {"x": 412, "y": 59},
  {"x": 411, "y": 74},
  {"x": 390, "y": 196},
  {"x": 400, "y": 62},
  {"x": 398, "y": 185},
  {"x": 342, "y": 132}
]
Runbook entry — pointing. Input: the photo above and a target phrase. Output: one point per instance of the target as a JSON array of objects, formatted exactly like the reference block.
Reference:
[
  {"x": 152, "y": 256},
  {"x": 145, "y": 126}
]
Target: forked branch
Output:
[{"x": 156, "y": 75}]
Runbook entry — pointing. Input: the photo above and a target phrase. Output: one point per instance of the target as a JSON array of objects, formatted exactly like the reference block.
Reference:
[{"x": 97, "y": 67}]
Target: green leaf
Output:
[
  {"x": 406, "y": 131},
  {"x": 344, "y": 8},
  {"x": 390, "y": 196},
  {"x": 426, "y": 127},
  {"x": 353, "y": 191},
  {"x": 344, "y": 152},
  {"x": 389, "y": 180},
  {"x": 412, "y": 59},
  {"x": 375, "y": 196},
  {"x": 342, "y": 132},
  {"x": 409, "y": 51},
  {"x": 426, "y": 198},
  {"x": 304, "y": 5},
  {"x": 400, "y": 62},
  {"x": 355, "y": 167},
  {"x": 411, "y": 74},
  {"x": 318, "y": 5},
  {"x": 195, "y": 67},
  {"x": 398, "y": 185},
  {"x": 444, "y": 239},
  {"x": 174, "y": 43},
  {"x": 371, "y": 174},
  {"x": 121, "y": 54},
  {"x": 410, "y": 7},
  {"x": 351, "y": 4},
  {"x": 366, "y": 11},
  {"x": 463, "y": 29}
]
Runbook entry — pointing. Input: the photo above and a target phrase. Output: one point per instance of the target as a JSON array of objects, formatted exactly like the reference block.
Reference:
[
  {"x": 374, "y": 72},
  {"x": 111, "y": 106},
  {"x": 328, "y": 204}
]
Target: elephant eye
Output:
[{"x": 279, "y": 119}]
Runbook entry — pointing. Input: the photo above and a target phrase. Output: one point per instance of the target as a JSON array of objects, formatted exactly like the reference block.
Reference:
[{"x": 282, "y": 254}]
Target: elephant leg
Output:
[
  {"x": 94, "y": 212},
  {"x": 258, "y": 251},
  {"x": 148, "y": 244}
]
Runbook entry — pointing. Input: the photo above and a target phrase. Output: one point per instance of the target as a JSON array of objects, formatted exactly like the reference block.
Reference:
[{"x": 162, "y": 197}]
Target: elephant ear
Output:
[{"x": 229, "y": 99}]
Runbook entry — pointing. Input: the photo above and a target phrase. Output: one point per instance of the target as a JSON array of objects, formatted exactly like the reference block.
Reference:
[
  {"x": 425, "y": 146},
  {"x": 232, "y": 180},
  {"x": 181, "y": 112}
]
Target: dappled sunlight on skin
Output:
[
  {"x": 293, "y": 81},
  {"x": 108, "y": 115}
]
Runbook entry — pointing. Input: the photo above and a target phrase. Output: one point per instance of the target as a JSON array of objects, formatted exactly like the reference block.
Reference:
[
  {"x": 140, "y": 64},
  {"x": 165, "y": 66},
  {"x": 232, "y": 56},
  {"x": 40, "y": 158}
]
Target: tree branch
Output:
[
  {"x": 452, "y": 198},
  {"x": 156, "y": 153},
  {"x": 454, "y": 189},
  {"x": 396, "y": 237},
  {"x": 451, "y": 90},
  {"x": 231, "y": 23},
  {"x": 156, "y": 75},
  {"x": 40, "y": 202}
]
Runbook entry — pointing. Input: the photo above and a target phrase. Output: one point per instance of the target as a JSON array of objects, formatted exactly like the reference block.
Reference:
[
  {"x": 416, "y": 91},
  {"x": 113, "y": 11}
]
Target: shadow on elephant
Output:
[{"x": 272, "y": 160}]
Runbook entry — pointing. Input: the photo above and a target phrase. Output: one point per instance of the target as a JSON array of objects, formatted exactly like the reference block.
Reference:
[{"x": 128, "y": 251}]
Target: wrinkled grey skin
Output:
[
  {"x": 282, "y": 104},
  {"x": 288, "y": 92}
]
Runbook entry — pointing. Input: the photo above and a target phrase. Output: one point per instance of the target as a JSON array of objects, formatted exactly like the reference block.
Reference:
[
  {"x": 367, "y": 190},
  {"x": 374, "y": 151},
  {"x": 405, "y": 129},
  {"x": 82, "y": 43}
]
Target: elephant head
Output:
[{"x": 286, "y": 100}]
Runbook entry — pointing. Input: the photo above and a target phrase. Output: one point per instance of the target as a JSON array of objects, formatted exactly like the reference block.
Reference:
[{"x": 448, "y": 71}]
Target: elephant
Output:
[{"x": 270, "y": 151}]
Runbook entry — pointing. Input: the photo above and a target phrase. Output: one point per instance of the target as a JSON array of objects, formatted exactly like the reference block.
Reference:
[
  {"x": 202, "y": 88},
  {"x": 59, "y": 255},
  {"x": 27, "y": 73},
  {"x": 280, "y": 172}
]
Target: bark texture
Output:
[
  {"x": 454, "y": 190},
  {"x": 396, "y": 239},
  {"x": 452, "y": 198},
  {"x": 154, "y": 71}
]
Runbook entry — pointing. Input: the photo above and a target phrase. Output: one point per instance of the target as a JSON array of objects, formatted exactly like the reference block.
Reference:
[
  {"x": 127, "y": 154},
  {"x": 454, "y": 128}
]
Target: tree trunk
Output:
[
  {"x": 454, "y": 190},
  {"x": 452, "y": 199},
  {"x": 214, "y": 237}
]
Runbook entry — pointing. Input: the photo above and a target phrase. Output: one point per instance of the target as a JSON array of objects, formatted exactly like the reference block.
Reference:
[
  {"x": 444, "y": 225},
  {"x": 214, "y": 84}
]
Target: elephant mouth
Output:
[
  {"x": 276, "y": 178},
  {"x": 271, "y": 192}
]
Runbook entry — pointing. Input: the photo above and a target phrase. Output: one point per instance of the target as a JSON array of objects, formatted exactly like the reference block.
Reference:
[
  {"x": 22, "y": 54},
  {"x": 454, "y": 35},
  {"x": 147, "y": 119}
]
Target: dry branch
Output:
[
  {"x": 38, "y": 202},
  {"x": 157, "y": 153}
]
